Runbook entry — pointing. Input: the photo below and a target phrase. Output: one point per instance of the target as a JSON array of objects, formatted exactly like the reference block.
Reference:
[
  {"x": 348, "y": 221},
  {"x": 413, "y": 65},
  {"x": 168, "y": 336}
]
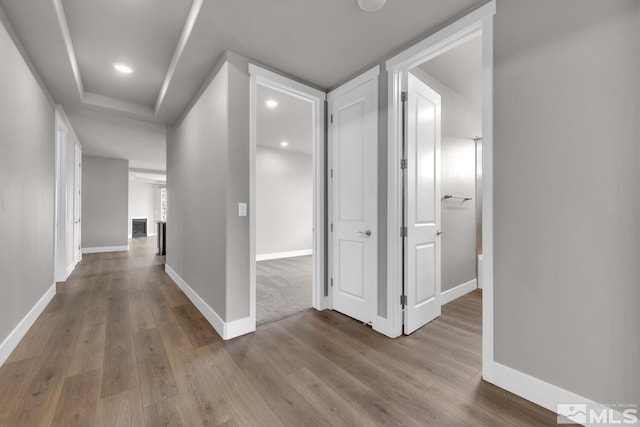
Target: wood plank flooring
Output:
[{"x": 120, "y": 345}]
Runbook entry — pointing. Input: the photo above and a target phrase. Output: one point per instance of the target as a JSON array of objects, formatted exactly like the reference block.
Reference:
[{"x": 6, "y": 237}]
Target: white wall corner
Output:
[
  {"x": 226, "y": 330},
  {"x": 13, "y": 339},
  {"x": 460, "y": 290}
]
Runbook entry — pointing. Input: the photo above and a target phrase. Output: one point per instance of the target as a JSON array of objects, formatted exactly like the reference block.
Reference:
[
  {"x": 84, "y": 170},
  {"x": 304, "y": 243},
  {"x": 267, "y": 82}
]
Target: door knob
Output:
[
  {"x": 439, "y": 233},
  {"x": 365, "y": 233}
]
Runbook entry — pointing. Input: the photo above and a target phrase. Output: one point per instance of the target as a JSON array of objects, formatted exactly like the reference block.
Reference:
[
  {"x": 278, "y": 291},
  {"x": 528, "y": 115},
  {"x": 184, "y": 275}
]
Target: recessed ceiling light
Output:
[
  {"x": 371, "y": 5},
  {"x": 124, "y": 69},
  {"x": 271, "y": 103},
  {"x": 284, "y": 144}
]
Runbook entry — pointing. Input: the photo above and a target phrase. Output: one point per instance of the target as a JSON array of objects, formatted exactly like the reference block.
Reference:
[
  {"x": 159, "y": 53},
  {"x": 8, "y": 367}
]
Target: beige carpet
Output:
[{"x": 283, "y": 287}]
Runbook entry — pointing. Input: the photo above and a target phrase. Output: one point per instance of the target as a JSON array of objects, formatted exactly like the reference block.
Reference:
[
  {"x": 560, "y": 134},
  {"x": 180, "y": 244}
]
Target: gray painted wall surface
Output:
[
  {"x": 284, "y": 201},
  {"x": 105, "y": 201},
  {"x": 238, "y": 189},
  {"x": 461, "y": 121},
  {"x": 196, "y": 194},
  {"x": 141, "y": 204},
  {"x": 566, "y": 175},
  {"x": 26, "y": 188}
]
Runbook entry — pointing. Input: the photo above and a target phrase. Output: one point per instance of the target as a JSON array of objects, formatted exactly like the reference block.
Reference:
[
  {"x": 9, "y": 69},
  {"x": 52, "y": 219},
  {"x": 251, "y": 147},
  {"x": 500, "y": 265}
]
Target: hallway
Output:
[{"x": 120, "y": 345}]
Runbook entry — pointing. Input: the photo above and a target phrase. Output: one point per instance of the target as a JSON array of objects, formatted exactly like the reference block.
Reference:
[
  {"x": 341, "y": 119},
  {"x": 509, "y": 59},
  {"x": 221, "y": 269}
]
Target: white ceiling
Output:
[
  {"x": 174, "y": 44},
  {"x": 290, "y": 121},
  {"x": 460, "y": 69}
]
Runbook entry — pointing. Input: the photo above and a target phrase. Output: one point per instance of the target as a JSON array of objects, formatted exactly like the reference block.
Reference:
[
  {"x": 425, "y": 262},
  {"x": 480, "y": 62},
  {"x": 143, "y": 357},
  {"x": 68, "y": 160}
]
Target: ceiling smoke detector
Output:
[{"x": 371, "y": 5}]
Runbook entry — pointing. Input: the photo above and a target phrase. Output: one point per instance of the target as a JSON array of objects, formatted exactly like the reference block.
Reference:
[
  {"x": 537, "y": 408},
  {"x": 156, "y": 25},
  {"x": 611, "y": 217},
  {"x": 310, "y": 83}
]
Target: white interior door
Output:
[
  {"x": 422, "y": 213},
  {"x": 77, "y": 204},
  {"x": 354, "y": 202}
]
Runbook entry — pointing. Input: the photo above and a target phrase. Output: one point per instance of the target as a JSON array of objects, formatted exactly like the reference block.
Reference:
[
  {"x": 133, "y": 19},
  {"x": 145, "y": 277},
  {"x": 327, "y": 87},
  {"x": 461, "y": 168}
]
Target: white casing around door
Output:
[
  {"x": 77, "y": 204},
  {"x": 353, "y": 137},
  {"x": 422, "y": 213}
]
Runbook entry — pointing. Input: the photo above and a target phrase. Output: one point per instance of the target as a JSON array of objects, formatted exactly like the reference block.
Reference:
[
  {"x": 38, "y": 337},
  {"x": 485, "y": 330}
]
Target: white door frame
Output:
[
  {"x": 263, "y": 77},
  {"x": 60, "y": 203},
  {"x": 480, "y": 21},
  {"x": 77, "y": 198},
  {"x": 369, "y": 75}
]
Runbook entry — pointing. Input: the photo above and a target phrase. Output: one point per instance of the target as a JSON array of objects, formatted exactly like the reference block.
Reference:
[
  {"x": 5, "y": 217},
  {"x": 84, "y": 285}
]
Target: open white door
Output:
[
  {"x": 354, "y": 196},
  {"x": 77, "y": 204},
  {"x": 422, "y": 214}
]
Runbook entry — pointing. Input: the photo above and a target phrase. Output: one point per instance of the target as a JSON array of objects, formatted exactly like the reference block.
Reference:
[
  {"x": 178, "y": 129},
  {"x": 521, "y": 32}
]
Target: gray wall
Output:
[
  {"x": 105, "y": 201},
  {"x": 196, "y": 194},
  {"x": 26, "y": 188},
  {"x": 141, "y": 204},
  {"x": 566, "y": 175},
  {"x": 207, "y": 176},
  {"x": 284, "y": 201},
  {"x": 461, "y": 121}
]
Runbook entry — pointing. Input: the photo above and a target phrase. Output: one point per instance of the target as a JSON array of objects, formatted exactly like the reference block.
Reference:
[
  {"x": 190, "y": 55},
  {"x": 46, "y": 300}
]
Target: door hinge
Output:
[
  {"x": 403, "y": 300},
  {"x": 403, "y": 96},
  {"x": 403, "y": 231},
  {"x": 331, "y": 173},
  {"x": 332, "y": 228},
  {"x": 332, "y": 282},
  {"x": 403, "y": 164},
  {"x": 331, "y": 118}
]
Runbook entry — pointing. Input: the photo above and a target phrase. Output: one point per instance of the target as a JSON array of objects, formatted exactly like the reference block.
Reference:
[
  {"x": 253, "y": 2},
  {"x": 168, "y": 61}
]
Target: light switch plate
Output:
[{"x": 242, "y": 209}]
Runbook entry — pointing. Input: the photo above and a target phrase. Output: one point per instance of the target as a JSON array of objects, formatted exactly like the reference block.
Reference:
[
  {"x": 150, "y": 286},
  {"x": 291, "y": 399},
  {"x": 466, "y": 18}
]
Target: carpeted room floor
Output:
[{"x": 283, "y": 287}]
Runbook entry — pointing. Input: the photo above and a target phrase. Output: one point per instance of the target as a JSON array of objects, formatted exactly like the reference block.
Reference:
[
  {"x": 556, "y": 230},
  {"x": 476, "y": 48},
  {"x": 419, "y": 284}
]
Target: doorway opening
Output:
[
  {"x": 287, "y": 197},
  {"x": 456, "y": 133}
]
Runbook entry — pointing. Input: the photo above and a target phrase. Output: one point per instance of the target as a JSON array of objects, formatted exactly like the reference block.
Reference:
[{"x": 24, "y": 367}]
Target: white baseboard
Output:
[
  {"x": 148, "y": 235},
  {"x": 542, "y": 393},
  {"x": 226, "y": 330},
  {"x": 279, "y": 255},
  {"x": 69, "y": 270},
  {"x": 453, "y": 293},
  {"x": 13, "y": 339},
  {"x": 105, "y": 249}
]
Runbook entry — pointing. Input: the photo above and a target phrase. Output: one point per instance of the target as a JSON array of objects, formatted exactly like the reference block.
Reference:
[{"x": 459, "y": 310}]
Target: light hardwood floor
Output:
[{"x": 120, "y": 345}]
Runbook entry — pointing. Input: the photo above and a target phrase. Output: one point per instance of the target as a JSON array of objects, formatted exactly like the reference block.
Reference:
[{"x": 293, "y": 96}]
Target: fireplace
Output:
[{"x": 138, "y": 227}]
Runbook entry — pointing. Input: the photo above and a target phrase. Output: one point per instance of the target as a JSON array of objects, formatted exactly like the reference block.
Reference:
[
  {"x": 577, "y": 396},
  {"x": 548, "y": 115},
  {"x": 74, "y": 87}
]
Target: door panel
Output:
[
  {"x": 422, "y": 261},
  {"x": 354, "y": 146}
]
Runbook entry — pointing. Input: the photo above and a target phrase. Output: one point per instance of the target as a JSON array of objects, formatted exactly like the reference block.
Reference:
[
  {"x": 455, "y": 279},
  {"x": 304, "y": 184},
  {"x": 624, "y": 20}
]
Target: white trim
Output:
[
  {"x": 458, "y": 291},
  {"x": 227, "y": 330},
  {"x": 190, "y": 23},
  {"x": 535, "y": 390},
  {"x": 101, "y": 249},
  {"x": 371, "y": 75},
  {"x": 261, "y": 76},
  {"x": 13, "y": 339},
  {"x": 361, "y": 79},
  {"x": 470, "y": 26},
  {"x": 60, "y": 203},
  {"x": 69, "y": 270},
  {"x": 487, "y": 199},
  {"x": 442, "y": 40},
  {"x": 280, "y": 255}
]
